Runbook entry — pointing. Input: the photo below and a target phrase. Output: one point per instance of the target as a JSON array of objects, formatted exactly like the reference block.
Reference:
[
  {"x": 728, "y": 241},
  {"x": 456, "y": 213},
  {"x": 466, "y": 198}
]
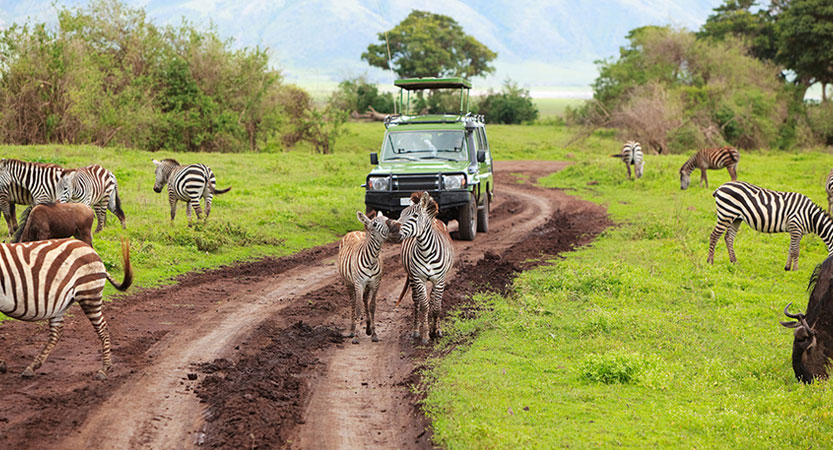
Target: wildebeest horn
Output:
[
  {"x": 787, "y": 312},
  {"x": 801, "y": 318}
]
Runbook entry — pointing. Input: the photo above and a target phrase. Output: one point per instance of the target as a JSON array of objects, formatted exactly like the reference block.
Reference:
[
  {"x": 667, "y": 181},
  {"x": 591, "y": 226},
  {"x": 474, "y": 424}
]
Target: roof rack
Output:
[{"x": 418, "y": 84}]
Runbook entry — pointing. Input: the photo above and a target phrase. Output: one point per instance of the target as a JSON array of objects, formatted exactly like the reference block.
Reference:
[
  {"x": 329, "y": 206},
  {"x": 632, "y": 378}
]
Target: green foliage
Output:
[
  {"x": 512, "y": 105},
  {"x": 735, "y": 18},
  {"x": 705, "y": 360},
  {"x": 356, "y": 94},
  {"x": 306, "y": 123},
  {"x": 430, "y": 45},
  {"x": 107, "y": 75},
  {"x": 805, "y": 31}
]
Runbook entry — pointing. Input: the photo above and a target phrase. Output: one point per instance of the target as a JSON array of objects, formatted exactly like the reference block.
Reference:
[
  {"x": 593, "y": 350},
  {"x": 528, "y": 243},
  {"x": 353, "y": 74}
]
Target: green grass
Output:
[
  {"x": 548, "y": 107},
  {"x": 634, "y": 340}
]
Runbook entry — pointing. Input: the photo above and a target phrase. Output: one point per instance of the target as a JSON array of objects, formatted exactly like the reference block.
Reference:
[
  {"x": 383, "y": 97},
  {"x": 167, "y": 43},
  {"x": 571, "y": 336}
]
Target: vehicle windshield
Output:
[{"x": 446, "y": 145}]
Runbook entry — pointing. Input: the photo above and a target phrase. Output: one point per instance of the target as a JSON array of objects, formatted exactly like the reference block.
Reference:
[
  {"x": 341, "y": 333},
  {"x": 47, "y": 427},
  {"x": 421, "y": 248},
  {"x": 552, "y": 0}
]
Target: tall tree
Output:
[
  {"x": 430, "y": 45},
  {"x": 805, "y": 31},
  {"x": 736, "y": 18}
]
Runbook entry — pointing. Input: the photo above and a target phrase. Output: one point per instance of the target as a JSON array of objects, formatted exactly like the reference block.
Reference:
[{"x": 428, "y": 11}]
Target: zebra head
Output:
[
  {"x": 5, "y": 175},
  {"x": 67, "y": 186},
  {"x": 163, "y": 172},
  {"x": 685, "y": 179},
  {"x": 379, "y": 227},
  {"x": 417, "y": 218}
]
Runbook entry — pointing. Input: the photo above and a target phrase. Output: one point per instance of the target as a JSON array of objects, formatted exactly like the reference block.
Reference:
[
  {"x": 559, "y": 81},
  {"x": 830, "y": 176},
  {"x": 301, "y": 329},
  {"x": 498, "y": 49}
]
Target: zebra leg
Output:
[
  {"x": 92, "y": 309},
  {"x": 371, "y": 313},
  {"x": 795, "y": 247},
  {"x": 197, "y": 208},
  {"x": 436, "y": 309},
  {"x": 629, "y": 170},
  {"x": 5, "y": 208},
  {"x": 3, "y": 367},
  {"x": 208, "y": 199},
  {"x": 358, "y": 296},
  {"x": 731, "y": 232},
  {"x": 721, "y": 226},
  {"x": 704, "y": 178},
  {"x": 188, "y": 212},
  {"x": 172, "y": 200},
  {"x": 56, "y": 328},
  {"x": 418, "y": 290},
  {"x": 733, "y": 172},
  {"x": 100, "y": 216}
]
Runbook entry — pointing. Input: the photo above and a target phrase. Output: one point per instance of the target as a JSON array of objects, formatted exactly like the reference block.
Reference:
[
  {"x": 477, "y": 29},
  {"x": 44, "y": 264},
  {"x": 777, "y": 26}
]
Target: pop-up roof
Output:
[{"x": 415, "y": 84}]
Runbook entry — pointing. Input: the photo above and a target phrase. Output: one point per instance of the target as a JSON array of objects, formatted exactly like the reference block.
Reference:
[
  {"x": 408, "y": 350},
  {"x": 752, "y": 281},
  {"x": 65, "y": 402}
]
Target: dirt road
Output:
[{"x": 252, "y": 355}]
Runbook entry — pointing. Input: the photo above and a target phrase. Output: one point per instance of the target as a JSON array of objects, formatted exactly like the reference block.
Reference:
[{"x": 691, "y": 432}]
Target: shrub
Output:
[
  {"x": 356, "y": 94},
  {"x": 511, "y": 105}
]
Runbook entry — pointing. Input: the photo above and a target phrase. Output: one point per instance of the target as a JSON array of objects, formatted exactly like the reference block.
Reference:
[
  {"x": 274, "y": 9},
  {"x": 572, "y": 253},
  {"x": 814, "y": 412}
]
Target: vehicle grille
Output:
[{"x": 411, "y": 183}]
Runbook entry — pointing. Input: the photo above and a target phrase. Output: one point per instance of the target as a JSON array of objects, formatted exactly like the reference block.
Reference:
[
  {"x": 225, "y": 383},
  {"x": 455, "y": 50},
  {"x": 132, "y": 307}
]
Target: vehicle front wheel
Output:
[
  {"x": 467, "y": 220},
  {"x": 483, "y": 215}
]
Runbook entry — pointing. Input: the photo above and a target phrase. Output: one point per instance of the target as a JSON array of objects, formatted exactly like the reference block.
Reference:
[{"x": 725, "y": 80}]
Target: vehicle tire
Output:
[
  {"x": 483, "y": 215},
  {"x": 467, "y": 220}
]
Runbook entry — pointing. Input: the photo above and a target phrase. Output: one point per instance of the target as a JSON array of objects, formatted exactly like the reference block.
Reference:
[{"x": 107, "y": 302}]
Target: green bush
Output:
[
  {"x": 356, "y": 94},
  {"x": 611, "y": 368},
  {"x": 512, "y": 105}
]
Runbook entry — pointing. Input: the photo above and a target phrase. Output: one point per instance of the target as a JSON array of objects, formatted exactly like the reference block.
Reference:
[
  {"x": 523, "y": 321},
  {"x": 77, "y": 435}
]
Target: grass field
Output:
[
  {"x": 548, "y": 107},
  {"x": 634, "y": 340}
]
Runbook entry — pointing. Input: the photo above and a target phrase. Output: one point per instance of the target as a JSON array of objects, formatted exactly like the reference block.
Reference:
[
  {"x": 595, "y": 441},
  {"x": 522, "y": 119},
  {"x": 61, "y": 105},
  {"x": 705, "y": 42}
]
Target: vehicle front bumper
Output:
[{"x": 390, "y": 200}]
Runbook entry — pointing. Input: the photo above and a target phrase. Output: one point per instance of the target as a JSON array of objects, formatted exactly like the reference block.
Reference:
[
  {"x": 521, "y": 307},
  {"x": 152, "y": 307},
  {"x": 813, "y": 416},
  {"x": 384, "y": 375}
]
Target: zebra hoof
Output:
[
  {"x": 374, "y": 338},
  {"x": 425, "y": 341},
  {"x": 100, "y": 375},
  {"x": 3, "y": 367},
  {"x": 368, "y": 331},
  {"x": 355, "y": 340},
  {"x": 415, "y": 334},
  {"x": 28, "y": 373}
]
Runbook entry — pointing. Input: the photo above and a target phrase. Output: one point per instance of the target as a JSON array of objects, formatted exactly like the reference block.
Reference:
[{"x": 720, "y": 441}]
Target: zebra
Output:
[
  {"x": 24, "y": 182},
  {"x": 828, "y": 186},
  {"x": 187, "y": 183},
  {"x": 710, "y": 158},
  {"x": 361, "y": 269},
  {"x": 95, "y": 187},
  {"x": 427, "y": 255},
  {"x": 41, "y": 279},
  {"x": 768, "y": 212},
  {"x": 631, "y": 155}
]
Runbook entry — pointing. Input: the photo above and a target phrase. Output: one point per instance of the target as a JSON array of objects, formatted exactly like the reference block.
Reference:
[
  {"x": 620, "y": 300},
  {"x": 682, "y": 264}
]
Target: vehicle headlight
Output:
[
  {"x": 379, "y": 183},
  {"x": 454, "y": 181}
]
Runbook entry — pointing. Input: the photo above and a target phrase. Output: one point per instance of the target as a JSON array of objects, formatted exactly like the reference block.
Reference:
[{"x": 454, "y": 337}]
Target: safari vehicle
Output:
[{"x": 445, "y": 154}]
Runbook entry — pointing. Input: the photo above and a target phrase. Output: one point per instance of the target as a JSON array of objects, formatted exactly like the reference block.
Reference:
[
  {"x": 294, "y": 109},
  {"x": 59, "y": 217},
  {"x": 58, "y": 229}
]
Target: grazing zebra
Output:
[
  {"x": 631, "y": 155},
  {"x": 427, "y": 255},
  {"x": 41, "y": 279},
  {"x": 829, "y": 188},
  {"x": 187, "y": 183},
  {"x": 768, "y": 212},
  {"x": 710, "y": 158},
  {"x": 361, "y": 269},
  {"x": 21, "y": 181},
  {"x": 95, "y": 187}
]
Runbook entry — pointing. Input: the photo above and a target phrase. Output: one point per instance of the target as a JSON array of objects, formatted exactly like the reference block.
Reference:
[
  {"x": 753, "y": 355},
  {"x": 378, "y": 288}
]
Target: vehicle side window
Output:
[
  {"x": 479, "y": 140},
  {"x": 484, "y": 143}
]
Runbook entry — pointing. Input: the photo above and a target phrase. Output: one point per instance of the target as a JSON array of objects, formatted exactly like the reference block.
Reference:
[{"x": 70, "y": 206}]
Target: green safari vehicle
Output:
[{"x": 447, "y": 155}]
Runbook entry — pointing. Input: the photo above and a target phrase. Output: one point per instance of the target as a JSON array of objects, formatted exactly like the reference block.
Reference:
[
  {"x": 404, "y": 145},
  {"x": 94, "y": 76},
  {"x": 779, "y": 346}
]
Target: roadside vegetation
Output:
[{"x": 634, "y": 340}]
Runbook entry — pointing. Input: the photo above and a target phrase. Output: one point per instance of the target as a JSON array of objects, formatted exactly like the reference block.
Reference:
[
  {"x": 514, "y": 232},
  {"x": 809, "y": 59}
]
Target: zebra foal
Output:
[
  {"x": 24, "y": 182},
  {"x": 360, "y": 268},
  {"x": 95, "y": 187},
  {"x": 41, "y": 279},
  {"x": 767, "y": 211},
  {"x": 187, "y": 183},
  {"x": 427, "y": 255},
  {"x": 631, "y": 155},
  {"x": 710, "y": 158},
  {"x": 828, "y": 187}
]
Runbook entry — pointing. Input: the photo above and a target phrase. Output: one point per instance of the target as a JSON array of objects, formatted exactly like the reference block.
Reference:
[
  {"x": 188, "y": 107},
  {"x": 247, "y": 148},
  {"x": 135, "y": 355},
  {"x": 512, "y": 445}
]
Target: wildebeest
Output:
[
  {"x": 55, "y": 221},
  {"x": 813, "y": 336}
]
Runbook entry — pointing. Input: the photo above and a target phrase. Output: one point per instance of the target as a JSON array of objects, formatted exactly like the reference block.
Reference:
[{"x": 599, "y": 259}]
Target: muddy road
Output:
[{"x": 252, "y": 355}]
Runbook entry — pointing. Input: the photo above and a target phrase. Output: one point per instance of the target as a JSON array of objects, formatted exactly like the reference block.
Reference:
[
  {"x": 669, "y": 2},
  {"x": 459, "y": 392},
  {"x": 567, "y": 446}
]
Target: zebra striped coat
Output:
[
  {"x": 768, "y": 212},
  {"x": 828, "y": 186},
  {"x": 187, "y": 183},
  {"x": 41, "y": 279},
  {"x": 427, "y": 255},
  {"x": 360, "y": 268},
  {"x": 632, "y": 155},
  {"x": 95, "y": 187},
  {"x": 21, "y": 181},
  {"x": 710, "y": 158}
]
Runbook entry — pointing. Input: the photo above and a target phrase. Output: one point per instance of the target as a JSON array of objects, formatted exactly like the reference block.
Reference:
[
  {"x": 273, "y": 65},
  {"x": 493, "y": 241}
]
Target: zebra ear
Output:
[
  {"x": 155, "y": 162},
  {"x": 362, "y": 218},
  {"x": 426, "y": 197}
]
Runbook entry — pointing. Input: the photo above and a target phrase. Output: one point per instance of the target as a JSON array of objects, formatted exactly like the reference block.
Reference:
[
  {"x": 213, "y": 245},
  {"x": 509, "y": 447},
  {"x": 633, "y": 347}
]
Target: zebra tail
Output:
[
  {"x": 21, "y": 227},
  {"x": 128, "y": 269},
  {"x": 115, "y": 204},
  {"x": 214, "y": 190},
  {"x": 404, "y": 291},
  {"x": 618, "y": 155}
]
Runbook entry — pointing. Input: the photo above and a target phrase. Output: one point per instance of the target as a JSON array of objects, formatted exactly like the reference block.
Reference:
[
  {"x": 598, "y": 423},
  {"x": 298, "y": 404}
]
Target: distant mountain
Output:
[{"x": 545, "y": 43}]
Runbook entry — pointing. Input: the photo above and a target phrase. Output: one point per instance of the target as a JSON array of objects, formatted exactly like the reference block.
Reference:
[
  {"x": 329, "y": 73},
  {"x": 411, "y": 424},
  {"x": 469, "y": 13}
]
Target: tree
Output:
[
  {"x": 805, "y": 31},
  {"x": 512, "y": 105},
  {"x": 430, "y": 45},
  {"x": 736, "y": 18}
]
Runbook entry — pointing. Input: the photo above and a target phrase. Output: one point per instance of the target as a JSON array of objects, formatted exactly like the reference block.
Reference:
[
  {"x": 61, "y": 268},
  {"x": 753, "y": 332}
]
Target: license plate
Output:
[{"x": 405, "y": 201}]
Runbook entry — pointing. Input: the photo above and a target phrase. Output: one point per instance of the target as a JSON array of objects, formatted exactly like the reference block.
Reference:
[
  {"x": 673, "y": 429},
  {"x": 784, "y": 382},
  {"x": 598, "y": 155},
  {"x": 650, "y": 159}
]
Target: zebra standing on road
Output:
[
  {"x": 41, "y": 279},
  {"x": 95, "y": 187},
  {"x": 361, "y": 269},
  {"x": 631, "y": 155},
  {"x": 710, "y": 158},
  {"x": 187, "y": 183},
  {"x": 21, "y": 181},
  {"x": 828, "y": 186},
  {"x": 768, "y": 212},
  {"x": 427, "y": 255}
]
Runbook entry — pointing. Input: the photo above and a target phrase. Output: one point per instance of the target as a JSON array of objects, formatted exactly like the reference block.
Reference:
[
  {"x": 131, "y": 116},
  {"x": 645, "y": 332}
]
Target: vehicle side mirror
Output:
[
  {"x": 481, "y": 156},
  {"x": 374, "y": 158}
]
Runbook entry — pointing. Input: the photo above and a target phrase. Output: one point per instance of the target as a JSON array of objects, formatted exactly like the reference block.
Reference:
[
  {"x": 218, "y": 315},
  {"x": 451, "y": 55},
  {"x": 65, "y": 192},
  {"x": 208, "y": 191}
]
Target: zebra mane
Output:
[{"x": 171, "y": 160}]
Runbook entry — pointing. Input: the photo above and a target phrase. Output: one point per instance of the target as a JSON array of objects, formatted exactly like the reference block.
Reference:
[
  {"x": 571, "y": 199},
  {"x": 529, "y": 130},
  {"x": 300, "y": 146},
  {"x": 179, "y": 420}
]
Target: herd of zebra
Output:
[
  {"x": 40, "y": 280},
  {"x": 764, "y": 210}
]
